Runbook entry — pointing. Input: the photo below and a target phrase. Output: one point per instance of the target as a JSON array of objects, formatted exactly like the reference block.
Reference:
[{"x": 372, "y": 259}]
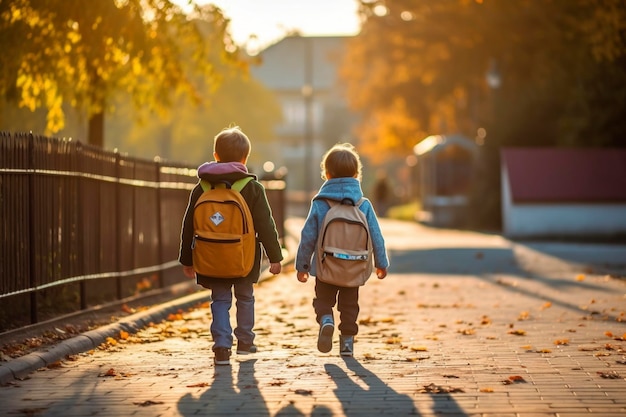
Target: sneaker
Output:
[
  {"x": 245, "y": 349},
  {"x": 325, "y": 337},
  {"x": 222, "y": 356},
  {"x": 346, "y": 345}
]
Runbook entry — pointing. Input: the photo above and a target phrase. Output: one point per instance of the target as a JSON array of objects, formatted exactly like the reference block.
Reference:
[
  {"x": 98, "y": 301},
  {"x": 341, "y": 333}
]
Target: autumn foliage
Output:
[{"x": 422, "y": 67}]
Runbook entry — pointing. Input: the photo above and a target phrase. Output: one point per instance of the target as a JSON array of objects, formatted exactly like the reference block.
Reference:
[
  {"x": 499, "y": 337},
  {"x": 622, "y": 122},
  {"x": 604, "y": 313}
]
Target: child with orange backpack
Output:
[
  {"x": 339, "y": 237},
  {"x": 226, "y": 222}
]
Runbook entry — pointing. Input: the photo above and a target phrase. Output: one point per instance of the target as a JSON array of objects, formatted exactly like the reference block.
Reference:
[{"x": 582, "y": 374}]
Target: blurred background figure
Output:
[{"x": 381, "y": 193}]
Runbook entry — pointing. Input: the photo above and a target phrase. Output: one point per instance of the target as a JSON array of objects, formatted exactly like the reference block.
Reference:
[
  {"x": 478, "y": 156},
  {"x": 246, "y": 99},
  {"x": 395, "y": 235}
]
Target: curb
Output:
[{"x": 20, "y": 368}]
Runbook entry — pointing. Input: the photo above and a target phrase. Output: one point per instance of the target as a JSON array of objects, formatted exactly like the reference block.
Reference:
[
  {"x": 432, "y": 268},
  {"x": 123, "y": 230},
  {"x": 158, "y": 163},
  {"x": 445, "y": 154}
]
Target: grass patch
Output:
[{"x": 405, "y": 211}]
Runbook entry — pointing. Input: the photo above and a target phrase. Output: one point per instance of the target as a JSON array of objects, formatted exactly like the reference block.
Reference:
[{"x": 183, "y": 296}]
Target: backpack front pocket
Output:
[{"x": 219, "y": 255}]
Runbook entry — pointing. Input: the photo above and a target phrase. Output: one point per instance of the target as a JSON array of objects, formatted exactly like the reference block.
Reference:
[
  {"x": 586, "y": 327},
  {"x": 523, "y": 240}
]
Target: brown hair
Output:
[
  {"x": 341, "y": 161},
  {"x": 231, "y": 145}
]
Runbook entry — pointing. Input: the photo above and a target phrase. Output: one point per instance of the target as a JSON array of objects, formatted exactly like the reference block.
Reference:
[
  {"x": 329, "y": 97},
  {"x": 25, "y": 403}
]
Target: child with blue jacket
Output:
[{"x": 341, "y": 170}]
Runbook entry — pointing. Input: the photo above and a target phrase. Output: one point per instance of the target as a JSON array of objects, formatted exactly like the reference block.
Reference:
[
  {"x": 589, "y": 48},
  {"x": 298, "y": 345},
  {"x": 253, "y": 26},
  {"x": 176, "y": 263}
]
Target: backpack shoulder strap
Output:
[
  {"x": 239, "y": 184},
  {"x": 205, "y": 185}
]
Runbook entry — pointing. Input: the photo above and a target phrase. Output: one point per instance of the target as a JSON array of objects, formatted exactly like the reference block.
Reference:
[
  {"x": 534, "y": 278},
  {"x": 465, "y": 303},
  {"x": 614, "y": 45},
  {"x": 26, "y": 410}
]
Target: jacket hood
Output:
[
  {"x": 340, "y": 188},
  {"x": 219, "y": 171}
]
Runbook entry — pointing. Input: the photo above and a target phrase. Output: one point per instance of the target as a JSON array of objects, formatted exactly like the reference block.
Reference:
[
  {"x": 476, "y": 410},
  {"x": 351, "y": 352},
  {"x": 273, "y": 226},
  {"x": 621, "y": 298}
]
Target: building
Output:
[
  {"x": 563, "y": 193},
  {"x": 303, "y": 74}
]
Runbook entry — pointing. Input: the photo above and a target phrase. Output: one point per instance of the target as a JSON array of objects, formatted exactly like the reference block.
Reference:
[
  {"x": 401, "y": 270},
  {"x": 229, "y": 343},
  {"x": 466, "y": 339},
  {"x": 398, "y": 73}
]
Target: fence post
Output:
[
  {"x": 118, "y": 217},
  {"x": 80, "y": 155},
  {"x": 31, "y": 226},
  {"x": 159, "y": 196}
]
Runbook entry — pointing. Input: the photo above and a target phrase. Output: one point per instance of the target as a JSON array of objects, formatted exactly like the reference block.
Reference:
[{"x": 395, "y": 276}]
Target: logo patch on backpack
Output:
[
  {"x": 217, "y": 218},
  {"x": 224, "y": 242},
  {"x": 344, "y": 246}
]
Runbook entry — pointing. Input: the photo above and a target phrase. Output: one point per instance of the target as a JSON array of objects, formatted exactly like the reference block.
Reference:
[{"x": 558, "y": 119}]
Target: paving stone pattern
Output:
[{"x": 466, "y": 324}]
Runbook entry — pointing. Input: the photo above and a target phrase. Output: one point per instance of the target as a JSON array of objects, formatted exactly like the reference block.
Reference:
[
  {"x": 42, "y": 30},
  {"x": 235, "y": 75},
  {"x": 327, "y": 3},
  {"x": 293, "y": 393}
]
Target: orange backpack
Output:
[{"x": 224, "y": 241}]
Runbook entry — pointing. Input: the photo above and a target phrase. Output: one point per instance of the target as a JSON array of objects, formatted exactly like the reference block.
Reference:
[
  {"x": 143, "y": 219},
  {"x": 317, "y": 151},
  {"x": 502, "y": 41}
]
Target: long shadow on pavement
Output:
[
  {"x": 222, "y": 399},
  {"x": 377, "y": 399}
]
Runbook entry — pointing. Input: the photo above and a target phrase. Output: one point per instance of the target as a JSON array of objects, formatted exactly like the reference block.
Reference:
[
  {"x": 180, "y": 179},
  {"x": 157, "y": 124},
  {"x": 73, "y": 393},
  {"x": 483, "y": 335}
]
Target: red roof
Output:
[{"x": 566, "y": 175}]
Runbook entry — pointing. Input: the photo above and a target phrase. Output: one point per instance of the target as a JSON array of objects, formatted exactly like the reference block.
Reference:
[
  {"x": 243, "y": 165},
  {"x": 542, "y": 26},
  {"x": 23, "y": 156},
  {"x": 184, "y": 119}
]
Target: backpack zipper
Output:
[{"x": 206, "y": 239}]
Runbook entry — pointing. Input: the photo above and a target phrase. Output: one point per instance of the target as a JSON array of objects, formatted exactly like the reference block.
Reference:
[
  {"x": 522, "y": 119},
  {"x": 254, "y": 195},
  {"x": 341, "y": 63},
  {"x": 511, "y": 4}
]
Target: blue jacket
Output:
[{"x": 337, "y": 189}]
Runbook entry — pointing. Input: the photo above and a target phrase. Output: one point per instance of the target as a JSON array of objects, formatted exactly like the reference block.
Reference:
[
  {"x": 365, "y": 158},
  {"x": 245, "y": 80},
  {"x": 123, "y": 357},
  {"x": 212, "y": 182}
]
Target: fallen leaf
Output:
[
  {"x": 517, "y": 332},
  {"x": 199, "y": 385},
  {"x": 561, "y": 342},
  {"x": 438, "y": 389},
  {"x": 126, "y": 309},
  {"x": 304, "y": 391},
  {"x": 277, "y": 382},
  {"x": 486, "y": 389},
  {"x": 580, "y": 277},
  {"x": 609, "y": 374},
  {"x": 147, "y": 403},
  {"x": 419, "y": 348},
  {"x": 109, "y": 373}
]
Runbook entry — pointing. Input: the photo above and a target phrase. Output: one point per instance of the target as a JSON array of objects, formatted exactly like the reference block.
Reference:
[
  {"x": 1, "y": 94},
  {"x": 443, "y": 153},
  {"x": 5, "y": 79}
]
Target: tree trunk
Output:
[{"x": 96, "y": 130}]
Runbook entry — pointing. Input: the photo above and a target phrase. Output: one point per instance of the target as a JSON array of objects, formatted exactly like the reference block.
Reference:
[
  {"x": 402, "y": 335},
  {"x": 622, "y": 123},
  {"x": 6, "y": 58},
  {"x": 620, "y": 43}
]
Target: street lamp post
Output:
[
  {"x": 494, "y": 81},
  {"x": 307, "y": 94}
]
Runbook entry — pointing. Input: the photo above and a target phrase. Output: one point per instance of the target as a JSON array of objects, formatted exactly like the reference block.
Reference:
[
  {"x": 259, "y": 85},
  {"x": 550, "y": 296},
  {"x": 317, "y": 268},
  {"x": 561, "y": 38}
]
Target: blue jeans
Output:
[{"x": 222, "y": 300}]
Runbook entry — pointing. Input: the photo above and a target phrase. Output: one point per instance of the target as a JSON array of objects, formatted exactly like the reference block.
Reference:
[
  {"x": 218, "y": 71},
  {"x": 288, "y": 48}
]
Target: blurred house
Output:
[
  {"x": 555, "y": 193},
  {"x": 303, "y": 74},
  {"x": 445, "y": 166}
]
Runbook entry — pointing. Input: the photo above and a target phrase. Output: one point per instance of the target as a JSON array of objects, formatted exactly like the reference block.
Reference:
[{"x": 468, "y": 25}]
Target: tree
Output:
[
  {"x": 58, "y": 52},
  {"x": 186, "y": 134},
  {"x": 418, "y": 67}
]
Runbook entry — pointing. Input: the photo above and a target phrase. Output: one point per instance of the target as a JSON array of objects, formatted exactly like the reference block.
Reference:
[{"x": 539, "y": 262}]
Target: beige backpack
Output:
[{"x": 344, "y": 245}]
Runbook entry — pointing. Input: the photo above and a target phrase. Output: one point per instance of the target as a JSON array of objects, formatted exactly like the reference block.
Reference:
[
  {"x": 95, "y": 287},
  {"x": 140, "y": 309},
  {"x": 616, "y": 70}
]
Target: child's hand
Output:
[
  {"x": 381, "y": 273},
  {"x": 275, "y": 268},
  {"x": 188, "y": 271},
  {"x": 303, "y": 276}
]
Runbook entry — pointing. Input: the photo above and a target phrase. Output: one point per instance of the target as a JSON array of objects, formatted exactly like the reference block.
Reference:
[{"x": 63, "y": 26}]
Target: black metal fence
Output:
[{"x": 81, "y": 226}]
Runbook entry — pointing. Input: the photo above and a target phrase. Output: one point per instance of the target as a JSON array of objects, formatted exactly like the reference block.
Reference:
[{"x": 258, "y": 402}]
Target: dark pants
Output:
[{"x": 347, "y": 300}]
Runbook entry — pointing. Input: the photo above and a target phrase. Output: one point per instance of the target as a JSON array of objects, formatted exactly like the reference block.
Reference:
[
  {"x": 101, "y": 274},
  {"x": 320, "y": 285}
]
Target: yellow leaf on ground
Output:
[{"x": 419, "y": 348}]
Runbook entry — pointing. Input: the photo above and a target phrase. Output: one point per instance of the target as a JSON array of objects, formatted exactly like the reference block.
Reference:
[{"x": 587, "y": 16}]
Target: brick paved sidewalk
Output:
[{"x": 471, "y": 332}]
